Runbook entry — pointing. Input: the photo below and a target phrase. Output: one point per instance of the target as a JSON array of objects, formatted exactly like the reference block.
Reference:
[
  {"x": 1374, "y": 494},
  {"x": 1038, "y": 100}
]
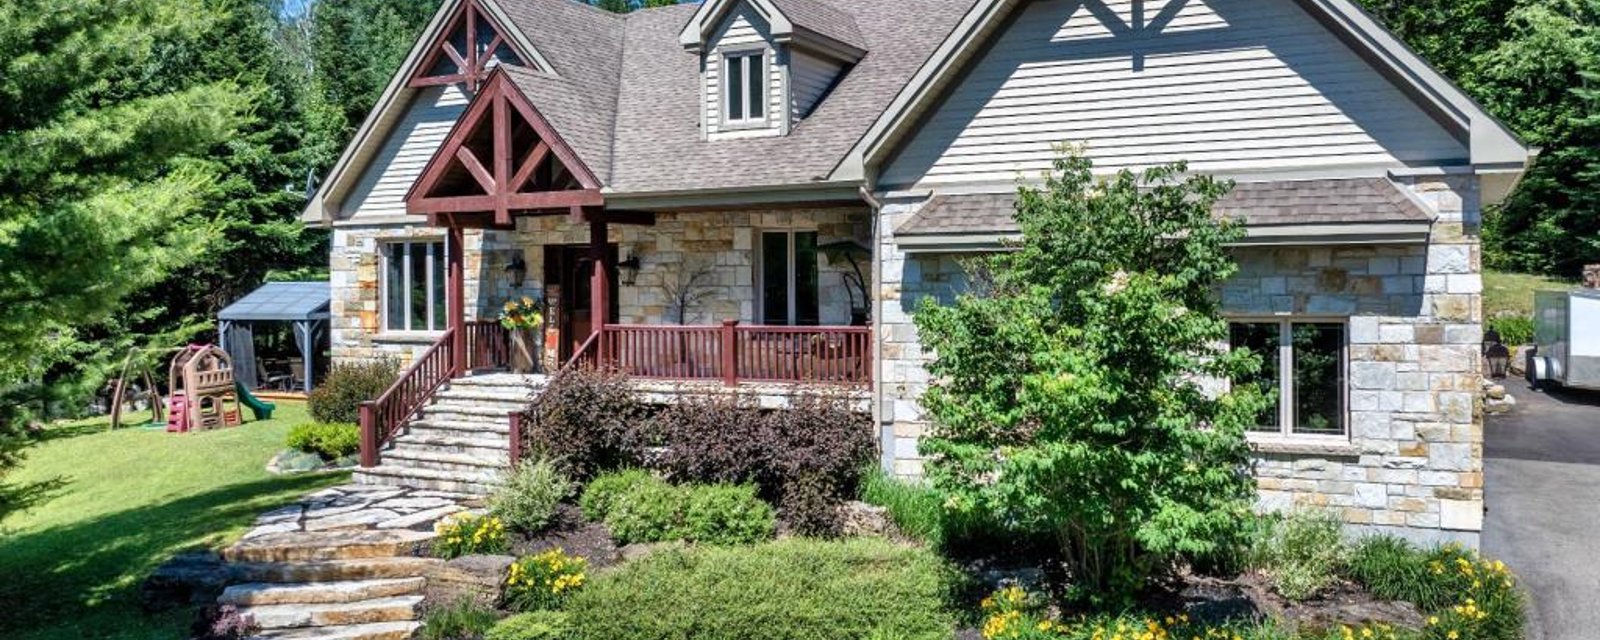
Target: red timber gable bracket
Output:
[
  {"x": 466, "y": 50},
  {"x": 502, "y": 156}
]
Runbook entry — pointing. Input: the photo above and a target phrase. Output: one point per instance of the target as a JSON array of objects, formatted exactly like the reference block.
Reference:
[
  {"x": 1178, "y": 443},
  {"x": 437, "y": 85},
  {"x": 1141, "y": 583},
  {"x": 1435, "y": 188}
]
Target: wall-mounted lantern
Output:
[
  {"x": 516, "y": 270},
  {"x": 629, "y": 270},
  {"x": 1499, "y": 358}
]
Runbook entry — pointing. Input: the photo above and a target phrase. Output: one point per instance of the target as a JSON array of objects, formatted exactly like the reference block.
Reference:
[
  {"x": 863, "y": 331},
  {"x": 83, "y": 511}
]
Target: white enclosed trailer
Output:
[{"x": 1566, "y": 329}]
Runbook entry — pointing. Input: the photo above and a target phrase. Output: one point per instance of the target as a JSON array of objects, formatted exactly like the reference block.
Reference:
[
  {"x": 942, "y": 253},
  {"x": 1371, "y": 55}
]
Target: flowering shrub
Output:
[
  {"x": 543, "y": 581},
  {"x": 1489, "y": 607},
  {"x": 521, "y": 314},
  {"x": 467, "y": 534}
]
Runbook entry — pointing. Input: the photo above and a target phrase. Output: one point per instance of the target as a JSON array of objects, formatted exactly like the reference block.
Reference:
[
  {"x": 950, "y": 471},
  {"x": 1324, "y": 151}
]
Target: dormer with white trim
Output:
[{"x": 765, "y": 65}]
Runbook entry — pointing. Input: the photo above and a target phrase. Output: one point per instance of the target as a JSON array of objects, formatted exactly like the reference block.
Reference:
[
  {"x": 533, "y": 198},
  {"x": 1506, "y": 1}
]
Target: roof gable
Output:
[
  {"x": 473, "y": 42},
  {"x": 810, "y": 23},
  {"x": 502, "y": 155},
  {"x": 1491, "y": 144}
]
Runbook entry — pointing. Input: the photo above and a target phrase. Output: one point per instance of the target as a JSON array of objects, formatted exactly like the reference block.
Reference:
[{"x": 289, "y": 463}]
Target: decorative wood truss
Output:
[
  {"x": 502, "y": 157},
  {"x": 466, "y": 50}
]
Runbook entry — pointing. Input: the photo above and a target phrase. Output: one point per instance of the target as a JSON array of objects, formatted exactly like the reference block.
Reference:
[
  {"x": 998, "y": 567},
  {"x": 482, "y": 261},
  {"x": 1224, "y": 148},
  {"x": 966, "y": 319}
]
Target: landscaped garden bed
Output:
[{"x": 1080, "y": 482}]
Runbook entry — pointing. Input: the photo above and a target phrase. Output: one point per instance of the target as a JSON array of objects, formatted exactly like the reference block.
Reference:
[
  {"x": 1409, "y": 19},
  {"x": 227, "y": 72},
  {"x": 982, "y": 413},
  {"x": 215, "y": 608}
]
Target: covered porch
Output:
[{"x": 730, "y": 297}]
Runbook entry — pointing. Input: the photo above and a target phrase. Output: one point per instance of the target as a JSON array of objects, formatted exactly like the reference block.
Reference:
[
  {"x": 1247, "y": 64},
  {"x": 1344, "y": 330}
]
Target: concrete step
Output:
[
  {"x": 334, "y": 570},
  {"x": 293, "y": 616},
  {"x": 444, "y": 460},
  {"x": 375, "y": 631},
  {"x": 501, "y": 380},
  {"x": 326, "y": 545},
  {"x": 480, "y": 483},
  {"x": 266, "y": 593}
]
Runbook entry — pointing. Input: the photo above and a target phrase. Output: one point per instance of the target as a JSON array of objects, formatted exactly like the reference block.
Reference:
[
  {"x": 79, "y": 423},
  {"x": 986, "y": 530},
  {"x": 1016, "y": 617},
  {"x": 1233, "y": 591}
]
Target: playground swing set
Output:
[{"x": 202, "y": 392}]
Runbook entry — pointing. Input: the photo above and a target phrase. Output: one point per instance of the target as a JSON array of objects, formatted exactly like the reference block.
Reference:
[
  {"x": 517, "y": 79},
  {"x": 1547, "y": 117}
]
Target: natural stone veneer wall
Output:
[
  {"x": 1413, "y": 461},
  {"x": 722, "y": 243}
]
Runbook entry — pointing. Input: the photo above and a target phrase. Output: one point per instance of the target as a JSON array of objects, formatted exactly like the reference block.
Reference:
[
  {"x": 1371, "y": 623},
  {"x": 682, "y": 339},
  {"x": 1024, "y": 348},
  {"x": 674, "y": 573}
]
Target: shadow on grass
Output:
[
  {"x": 88, "y": 572},
  {"x": 16, "y": 498}
]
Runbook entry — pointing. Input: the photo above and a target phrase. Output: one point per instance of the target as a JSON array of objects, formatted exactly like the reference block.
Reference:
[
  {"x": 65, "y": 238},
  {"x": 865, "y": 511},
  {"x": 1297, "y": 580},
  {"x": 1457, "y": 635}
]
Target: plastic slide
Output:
[{"x": 262, "y": 410}]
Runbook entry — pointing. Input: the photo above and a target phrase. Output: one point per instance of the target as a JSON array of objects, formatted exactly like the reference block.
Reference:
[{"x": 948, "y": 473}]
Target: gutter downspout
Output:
[{"x": 885, "y": 431}]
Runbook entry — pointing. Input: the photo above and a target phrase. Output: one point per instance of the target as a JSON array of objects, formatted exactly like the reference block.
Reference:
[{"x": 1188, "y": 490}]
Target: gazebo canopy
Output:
[
  {"x": 281, "y": 301},
  {"x": 304, "y": 304}
]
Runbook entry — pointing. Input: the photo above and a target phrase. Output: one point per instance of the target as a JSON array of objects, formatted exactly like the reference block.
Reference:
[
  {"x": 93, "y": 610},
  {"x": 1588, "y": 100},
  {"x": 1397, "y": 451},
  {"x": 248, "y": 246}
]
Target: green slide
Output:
[{"x": 262, "y": 410}]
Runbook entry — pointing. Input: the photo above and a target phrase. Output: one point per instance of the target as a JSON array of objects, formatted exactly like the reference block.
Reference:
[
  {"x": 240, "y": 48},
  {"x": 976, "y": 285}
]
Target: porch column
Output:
[
  {"x": 600, "y": 281},
  {"x": 455, "y": 298}
]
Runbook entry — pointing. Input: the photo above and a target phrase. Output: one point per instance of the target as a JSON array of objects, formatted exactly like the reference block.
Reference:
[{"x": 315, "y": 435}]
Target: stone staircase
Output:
[
  {"x": 348, "y": 563},
  {"x": 461, "y": 442}
]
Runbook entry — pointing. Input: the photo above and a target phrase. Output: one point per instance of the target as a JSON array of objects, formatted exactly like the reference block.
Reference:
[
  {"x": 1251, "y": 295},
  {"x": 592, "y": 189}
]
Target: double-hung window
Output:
[
  {"x": 787, "y": 279},
  {"x": 744, "y": 81},
  {"x": 1304, "y": 362},
  {"x": 413, "y": 286}
]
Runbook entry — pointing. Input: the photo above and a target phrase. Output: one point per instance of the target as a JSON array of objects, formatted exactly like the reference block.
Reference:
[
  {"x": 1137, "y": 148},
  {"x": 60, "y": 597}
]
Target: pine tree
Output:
[{"x": 99, "y": 171}]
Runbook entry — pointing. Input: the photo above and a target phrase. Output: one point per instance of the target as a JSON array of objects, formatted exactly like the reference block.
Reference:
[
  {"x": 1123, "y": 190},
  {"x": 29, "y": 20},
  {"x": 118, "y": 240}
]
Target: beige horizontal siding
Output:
[
  {"x": 382, "y": 187},
  {"x": 742, "y": 30},
  {"x": 1226, "y": 84}
]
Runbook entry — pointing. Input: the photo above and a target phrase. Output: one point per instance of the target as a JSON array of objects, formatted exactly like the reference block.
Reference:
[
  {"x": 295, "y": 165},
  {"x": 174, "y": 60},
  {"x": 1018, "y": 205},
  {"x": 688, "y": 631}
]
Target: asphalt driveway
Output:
[{"x": 1542, "y": 488}]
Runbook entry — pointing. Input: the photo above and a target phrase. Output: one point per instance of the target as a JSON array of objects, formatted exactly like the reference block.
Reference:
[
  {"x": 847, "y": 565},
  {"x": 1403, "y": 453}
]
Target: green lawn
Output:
[
  {"x": 127, "y": 501},
  {"x": 1513, "y": 292}
]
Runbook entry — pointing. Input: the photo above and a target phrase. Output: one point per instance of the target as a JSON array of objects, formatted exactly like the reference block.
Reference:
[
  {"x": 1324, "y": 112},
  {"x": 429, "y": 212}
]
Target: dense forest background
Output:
[{"x": 155, "y": 154}]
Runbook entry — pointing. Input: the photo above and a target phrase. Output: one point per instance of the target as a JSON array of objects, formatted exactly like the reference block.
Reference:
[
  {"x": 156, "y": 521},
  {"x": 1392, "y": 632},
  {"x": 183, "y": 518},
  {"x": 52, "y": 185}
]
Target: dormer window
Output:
[{"x": 746, "y": 95}]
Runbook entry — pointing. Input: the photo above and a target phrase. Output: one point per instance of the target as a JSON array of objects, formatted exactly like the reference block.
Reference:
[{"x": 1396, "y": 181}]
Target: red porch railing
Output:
[
  {"x": 732, "y": 353},
  {"x": 487, "y": 347}
]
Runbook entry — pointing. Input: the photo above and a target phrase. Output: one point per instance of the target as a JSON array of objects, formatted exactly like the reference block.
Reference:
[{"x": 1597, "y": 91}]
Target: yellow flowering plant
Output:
[
  {"x": 524, "y": 313},
  {"x": 543, "y": 581},
  {"x": 468, "y": 534}
]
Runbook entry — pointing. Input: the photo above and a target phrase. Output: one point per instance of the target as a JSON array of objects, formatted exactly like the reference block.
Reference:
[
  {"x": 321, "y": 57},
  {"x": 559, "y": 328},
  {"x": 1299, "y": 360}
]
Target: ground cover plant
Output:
[
  {"x": 795, "y": 589},
  {"x": 1065, "y": 389},
  {"x": 642, "y": 508},
  {"x": 1303, "y": 553},
  {"x": 160, "y": 493},
  {"x": 463, "y": 619}
]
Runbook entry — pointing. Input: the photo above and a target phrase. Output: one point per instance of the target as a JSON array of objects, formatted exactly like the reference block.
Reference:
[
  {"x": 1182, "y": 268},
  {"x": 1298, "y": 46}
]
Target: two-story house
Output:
[{"x": 760, "y": 192}]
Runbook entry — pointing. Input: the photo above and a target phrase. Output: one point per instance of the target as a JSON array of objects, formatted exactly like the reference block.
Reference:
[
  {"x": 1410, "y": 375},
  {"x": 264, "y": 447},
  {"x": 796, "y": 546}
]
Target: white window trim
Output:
[
  {"x": 405, "y": 264},
  {"x": 725, "y": 105},
  {"x": 792, "y": 309},
  {"x": 1285, "y": 431}
]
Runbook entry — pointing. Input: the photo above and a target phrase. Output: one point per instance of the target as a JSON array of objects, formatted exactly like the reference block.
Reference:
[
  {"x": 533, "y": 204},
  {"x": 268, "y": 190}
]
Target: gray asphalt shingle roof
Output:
[
  {"x": 628, "y": 96},
  {"x": 1259, "y": 204}
]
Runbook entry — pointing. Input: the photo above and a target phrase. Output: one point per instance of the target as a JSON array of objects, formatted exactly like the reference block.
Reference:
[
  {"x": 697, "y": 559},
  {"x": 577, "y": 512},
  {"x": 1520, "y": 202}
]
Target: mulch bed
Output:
[{"x": 574, "y": 535}]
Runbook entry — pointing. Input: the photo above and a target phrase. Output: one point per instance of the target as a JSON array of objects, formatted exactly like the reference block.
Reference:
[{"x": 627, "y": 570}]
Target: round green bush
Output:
[
  {"x": 797, "y": 589},
  {"x": 339, "y": 397},
  {"x": 331, "y": 441},
  {"x": 647, "y": 512},
  {"x": 1514, "y": 330},
  {"x": 534, "y": 625},
  {"x": 726, "y": 514},
  {"x": 603, "y": 491}
]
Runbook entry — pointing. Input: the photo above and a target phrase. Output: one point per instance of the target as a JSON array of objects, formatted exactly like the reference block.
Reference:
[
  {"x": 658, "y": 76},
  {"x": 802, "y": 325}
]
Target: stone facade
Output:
[
  {"x": 1412, "y": 460},
  {"x": 722, "y": 244}
]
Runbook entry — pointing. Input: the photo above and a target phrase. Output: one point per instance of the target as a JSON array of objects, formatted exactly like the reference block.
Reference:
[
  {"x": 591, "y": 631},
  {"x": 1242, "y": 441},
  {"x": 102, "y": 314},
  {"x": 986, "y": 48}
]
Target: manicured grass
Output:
[
  {"x": 1512, "y": 293},
  {"x": 127, "y": 501}
]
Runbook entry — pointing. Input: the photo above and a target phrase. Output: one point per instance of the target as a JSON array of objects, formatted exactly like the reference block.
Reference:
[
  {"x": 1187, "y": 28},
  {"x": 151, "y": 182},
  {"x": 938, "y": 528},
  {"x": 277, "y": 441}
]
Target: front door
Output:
[{"x": 568, "y": 268}]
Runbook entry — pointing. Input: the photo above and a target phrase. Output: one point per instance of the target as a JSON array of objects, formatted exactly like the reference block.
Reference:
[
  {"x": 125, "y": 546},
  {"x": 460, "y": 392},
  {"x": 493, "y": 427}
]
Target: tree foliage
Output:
[
  {"x": 1066, "y": 392},
  {"x": 100, "y": 171},
  {"x": 1534, "y": 64}
]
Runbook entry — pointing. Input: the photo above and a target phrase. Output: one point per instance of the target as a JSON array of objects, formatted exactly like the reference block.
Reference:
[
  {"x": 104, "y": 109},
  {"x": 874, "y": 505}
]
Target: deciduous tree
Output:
[{"x": 1067, "y": 393}]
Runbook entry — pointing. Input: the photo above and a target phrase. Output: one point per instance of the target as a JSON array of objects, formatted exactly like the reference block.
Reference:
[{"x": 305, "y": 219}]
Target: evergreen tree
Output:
[{"x": 100, "y": 172}]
